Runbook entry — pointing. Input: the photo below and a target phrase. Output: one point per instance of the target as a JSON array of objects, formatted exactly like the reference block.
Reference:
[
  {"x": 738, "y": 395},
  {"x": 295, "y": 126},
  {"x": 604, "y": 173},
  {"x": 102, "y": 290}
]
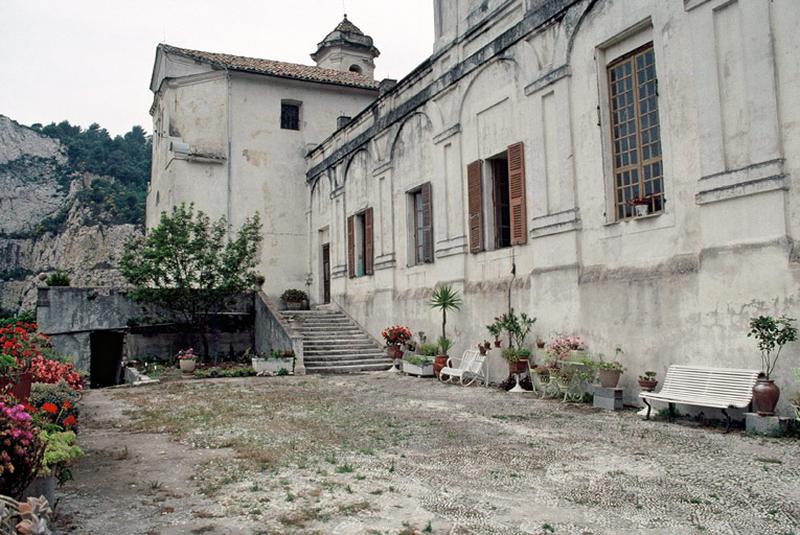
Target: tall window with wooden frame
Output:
[
  {"x": 506, "y": 220},
  {"x": 420, "y": 225},
  {"x": 290, "y": 115},
  {"x": 360, "y": 244},
  {"x": 635, "y": 134}
]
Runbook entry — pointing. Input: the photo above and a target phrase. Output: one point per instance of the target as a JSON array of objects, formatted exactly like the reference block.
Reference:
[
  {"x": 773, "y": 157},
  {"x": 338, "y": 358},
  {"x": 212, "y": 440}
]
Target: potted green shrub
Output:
[
  {"x": 421, "y": 365},
  {"x": 446, "y": 299},
  {"x": 294, "y": 299},
  {"x": 609, "y": 373},
  {"x": 772, "y": 334},
  {"x": 495, "y": 329},
  {"x": 518, "y": 327}
]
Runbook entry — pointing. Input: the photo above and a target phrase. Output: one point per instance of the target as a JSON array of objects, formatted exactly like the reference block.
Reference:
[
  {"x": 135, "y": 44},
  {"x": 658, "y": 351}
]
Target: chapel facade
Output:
[{"x": 625, "y": 171}]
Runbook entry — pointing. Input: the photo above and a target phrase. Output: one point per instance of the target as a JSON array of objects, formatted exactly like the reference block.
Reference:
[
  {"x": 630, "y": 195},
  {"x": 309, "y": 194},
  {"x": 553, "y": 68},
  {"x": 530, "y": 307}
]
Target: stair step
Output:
[
  {"x": 364, "y": 353},
  {"x": 372, "y": 367},
  {"x": 344, "y": 359}
]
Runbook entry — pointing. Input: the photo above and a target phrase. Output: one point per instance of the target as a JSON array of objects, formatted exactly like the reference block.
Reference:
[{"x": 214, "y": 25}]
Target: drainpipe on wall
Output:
[{"x": 228, "y": 208}]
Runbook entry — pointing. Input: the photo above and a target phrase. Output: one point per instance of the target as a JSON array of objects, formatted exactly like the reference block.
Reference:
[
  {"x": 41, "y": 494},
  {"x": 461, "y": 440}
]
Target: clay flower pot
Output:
[
  {"x": 188, "y": 365},
  {"x": 766, "y": 395},
  {"x": 20, "y": 386},
  {"x": 647, "y": 386},
  {"x": 609, "y": 378},
  {"x": 521, "y": 366},
  {"x": 439, "y": 362}
]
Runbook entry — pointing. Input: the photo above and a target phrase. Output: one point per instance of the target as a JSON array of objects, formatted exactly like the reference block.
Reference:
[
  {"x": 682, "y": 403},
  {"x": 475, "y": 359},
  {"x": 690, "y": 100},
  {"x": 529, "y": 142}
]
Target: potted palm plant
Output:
[
  {"x": 772, "y": 334},
  {"x": 444, "y": 298}
]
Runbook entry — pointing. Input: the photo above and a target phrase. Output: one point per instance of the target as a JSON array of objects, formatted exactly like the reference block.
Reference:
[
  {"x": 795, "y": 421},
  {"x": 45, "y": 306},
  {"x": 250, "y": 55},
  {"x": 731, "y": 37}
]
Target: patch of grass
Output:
[
  {"x": 548, "y": 528},
  {"x": 428, "y": 528},
  {"x": 355, "y": 508},
  {"x": 769, "y": 460},
  {"x": 345, "y": 469}
]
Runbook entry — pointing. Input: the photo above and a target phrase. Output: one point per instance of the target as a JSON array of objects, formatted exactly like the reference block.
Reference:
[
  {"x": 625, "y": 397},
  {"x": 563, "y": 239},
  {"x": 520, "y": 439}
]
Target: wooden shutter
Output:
[
  {"x": 475, "y": 206},
  {"x": 516, "y": 193},
  {"x": 369, "y": 243},
  {"x": 427, "y": 223},
  {"x": 351, "y": 246}
]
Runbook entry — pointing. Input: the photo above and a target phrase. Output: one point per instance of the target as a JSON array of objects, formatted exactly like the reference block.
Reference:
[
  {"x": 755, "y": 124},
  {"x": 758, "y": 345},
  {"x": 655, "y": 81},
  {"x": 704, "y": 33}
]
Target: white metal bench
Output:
[
  {"x": 470, "y": 369},
  {"x": 721, "y": 388}
]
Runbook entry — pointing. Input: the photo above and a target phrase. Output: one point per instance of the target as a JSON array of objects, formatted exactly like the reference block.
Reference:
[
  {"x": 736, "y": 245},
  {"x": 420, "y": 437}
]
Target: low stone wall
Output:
[{"x": 272, "y": 332}]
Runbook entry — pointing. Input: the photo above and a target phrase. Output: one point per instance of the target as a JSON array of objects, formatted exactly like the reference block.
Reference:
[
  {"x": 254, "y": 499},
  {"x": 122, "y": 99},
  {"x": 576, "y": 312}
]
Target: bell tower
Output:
[{"x": 346, "y": 48}]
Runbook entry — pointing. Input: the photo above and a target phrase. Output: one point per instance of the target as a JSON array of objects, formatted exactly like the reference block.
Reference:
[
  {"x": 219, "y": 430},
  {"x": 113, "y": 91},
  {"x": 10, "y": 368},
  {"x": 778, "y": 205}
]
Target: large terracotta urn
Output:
[
  {"x": 766, "y": 394},
  {"x": 439, "y": 362}
]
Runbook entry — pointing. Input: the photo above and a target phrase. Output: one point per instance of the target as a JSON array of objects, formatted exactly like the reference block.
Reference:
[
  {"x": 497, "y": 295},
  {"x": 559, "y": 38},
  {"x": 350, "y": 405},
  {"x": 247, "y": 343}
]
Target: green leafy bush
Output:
[
  {"x": 428, "y": 350},
  {"x": 293, "y": 295},
  {"x": 206, "y": 373},
  {"x": 58, "y": 278},
  {"x": 59, "y": 450}
]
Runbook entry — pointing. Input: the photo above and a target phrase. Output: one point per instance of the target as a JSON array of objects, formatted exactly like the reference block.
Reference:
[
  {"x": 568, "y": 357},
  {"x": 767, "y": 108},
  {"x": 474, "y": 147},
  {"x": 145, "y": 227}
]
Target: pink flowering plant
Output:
[
  {"x": 186, "y": 354},
  {"x": 560, "y": 346},
  {"x": 20, "y": 449}
]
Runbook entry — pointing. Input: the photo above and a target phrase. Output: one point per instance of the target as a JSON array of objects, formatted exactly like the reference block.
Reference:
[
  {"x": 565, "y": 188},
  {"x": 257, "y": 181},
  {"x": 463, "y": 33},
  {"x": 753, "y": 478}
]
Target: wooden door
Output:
[{"x": 326, "y": 273}]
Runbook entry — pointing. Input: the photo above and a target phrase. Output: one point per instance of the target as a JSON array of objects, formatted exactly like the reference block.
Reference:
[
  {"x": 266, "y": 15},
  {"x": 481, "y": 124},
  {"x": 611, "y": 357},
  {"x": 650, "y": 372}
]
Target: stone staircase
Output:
[{"x": 333, "y": 343}]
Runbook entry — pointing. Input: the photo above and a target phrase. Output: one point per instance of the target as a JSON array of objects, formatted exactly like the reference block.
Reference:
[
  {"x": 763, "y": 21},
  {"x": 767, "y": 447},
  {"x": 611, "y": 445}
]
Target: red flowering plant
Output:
[
  {"x": 396, "y": 335},
  {"x": 33, "y": 353},
  {"x": 21, "y": 449},
  {"x": 56, "y": 404},
  {"x": 186, "y": 354}
]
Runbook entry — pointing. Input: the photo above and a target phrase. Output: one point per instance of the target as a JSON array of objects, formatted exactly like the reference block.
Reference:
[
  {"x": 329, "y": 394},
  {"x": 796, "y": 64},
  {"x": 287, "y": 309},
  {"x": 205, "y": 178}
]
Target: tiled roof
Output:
[
  {"x": 275, "y": 68},
  {"x": 347, "y": 26}
]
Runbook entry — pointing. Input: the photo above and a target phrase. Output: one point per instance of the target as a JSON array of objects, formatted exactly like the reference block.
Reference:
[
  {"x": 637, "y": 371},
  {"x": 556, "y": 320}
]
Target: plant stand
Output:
[
  {"x": 517, "y": 389},
  {"x": 609, "y": 399},
  {"x": 769, "y": 426}
]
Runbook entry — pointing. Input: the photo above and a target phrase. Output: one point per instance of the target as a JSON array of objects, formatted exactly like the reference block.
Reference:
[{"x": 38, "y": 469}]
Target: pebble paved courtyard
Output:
[{"x": 377, "y": 453}]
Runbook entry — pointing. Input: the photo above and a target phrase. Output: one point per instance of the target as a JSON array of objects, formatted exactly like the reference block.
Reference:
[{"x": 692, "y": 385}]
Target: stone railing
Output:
[{"x": 273, "y": 332}]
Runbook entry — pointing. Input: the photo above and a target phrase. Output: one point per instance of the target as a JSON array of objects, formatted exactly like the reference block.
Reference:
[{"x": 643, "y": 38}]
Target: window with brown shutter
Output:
[
  {"x": 351, "y": 247},
  {"x": 369, "y": 245},
  {"x": 420, "y": 225},
  {"x": 516, "y": 194},
  {"x": 635, "y": 133},
  {"x": 360, "y": 244},
  {"x": 475, "y": 205}
]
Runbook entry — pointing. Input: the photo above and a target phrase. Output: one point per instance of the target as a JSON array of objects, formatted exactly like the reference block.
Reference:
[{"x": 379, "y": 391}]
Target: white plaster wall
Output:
[{"x": 676, "y": 288}]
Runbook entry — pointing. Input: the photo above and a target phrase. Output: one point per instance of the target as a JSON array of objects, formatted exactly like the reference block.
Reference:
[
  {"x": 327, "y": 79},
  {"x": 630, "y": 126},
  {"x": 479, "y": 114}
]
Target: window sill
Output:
[{"x": 637, "y": 218}]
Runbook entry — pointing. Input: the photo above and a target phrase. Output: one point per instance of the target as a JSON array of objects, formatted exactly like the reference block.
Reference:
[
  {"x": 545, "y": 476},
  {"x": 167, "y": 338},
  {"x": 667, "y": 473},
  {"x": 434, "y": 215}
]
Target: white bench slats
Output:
[{"x": 720, "y": 388}]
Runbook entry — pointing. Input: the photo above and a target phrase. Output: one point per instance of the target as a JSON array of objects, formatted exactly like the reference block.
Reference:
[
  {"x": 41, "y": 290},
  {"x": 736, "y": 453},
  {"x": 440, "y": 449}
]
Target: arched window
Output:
[{"x": 355, "y": 68}]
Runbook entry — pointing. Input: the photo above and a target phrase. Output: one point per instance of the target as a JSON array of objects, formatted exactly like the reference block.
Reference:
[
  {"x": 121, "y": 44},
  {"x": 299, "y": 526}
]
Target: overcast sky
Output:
[{"x": 90, "y": 60}]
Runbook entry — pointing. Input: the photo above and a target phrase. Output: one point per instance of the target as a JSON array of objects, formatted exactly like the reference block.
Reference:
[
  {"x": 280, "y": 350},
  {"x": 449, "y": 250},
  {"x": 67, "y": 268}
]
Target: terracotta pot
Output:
[
  {"x": 188, "y": 365},
  {"x": 766, "y": 395},
  {"x": 497, "y": 342},
  {"x": 394, "y": 352},
  {"x": 521, "y": 366},
  {"x": 20, "y": 385},
  {"x": 647, "y": 386},
  {"x": 294, "y": 305},
  {"x": 439, "y": 362},
  {"x": 609, "y": 378},
  {"x": 482, "y": 350}
]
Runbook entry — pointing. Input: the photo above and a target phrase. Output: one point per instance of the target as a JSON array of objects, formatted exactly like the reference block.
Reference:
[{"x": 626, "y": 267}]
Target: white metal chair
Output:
[{"x": 470, "y": 369}]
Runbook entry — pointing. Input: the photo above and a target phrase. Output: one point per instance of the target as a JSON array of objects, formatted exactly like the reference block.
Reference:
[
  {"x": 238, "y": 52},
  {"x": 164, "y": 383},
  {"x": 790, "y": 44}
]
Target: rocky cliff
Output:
[{"x": 45, "y": 224}]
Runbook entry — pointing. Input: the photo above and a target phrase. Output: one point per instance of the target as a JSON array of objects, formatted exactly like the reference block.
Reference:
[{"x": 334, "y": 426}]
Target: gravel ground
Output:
[{"x": 378, "y": 453}]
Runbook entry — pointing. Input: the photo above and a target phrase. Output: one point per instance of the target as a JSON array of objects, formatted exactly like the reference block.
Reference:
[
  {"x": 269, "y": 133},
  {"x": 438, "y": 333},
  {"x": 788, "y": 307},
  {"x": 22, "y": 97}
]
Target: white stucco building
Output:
[{"x": 522, "y": 142}]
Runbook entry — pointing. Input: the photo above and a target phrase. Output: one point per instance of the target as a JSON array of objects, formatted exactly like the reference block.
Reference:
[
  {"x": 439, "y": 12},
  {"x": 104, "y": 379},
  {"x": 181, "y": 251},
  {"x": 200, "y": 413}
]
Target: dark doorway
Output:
[
  {"x": 502, "y": 214},
  {"x": 106, "y": 361},
  {"x": 326, "y": 273}
]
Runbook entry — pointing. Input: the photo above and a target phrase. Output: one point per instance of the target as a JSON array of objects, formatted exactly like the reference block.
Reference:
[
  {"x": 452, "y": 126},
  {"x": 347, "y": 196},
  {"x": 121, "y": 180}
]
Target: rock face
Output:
[{"x": 44, "y": 226}]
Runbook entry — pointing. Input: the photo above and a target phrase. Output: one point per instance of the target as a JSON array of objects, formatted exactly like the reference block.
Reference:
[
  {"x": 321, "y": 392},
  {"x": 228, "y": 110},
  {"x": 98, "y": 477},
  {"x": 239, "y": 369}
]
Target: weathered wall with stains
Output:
[
  {"x": 676, "y": 287},
  {"x": 237, "y": 161}
]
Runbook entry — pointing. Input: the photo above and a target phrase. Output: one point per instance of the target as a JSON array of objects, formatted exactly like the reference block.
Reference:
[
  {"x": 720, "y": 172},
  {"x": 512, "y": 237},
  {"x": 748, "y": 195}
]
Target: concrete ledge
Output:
[
  {"x": 770, "y": 426},
  {"x": 609, "y": 399}
]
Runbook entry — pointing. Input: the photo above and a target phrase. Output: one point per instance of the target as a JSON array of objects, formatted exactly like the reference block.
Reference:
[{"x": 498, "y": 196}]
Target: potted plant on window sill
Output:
[
  {"x": 772, "y": 334},
  {"x": 641, "y": 206},
  {"x": 295, "y": 299}
]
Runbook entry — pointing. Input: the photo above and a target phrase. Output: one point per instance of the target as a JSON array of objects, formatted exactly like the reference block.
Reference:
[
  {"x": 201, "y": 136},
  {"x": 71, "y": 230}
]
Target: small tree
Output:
[
  {"x": 186, "y": 266},
  {"x": 445, "y": 298},
  {"x": 771, "y": 333}
]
